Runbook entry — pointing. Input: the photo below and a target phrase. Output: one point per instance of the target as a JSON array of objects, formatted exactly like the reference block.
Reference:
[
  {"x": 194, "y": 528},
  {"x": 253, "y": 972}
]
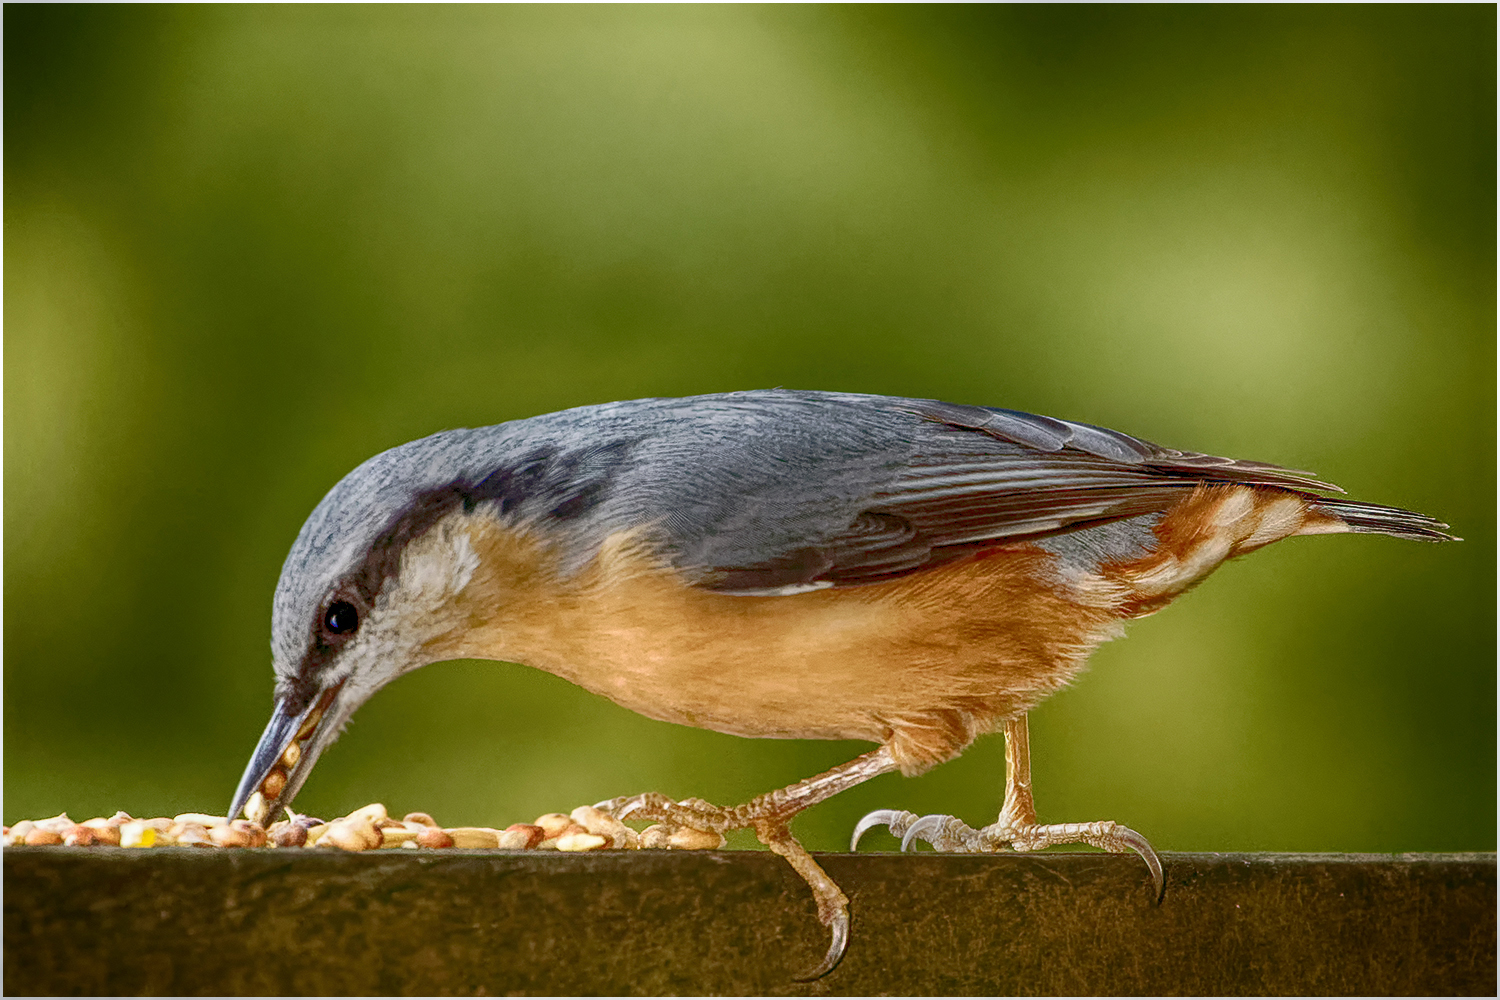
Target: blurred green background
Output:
[{"x": 248, "y": 247}]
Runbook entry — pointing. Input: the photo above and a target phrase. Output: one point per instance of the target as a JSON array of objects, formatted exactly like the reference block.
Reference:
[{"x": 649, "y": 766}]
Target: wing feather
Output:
[{"x": 977, "y": 477}]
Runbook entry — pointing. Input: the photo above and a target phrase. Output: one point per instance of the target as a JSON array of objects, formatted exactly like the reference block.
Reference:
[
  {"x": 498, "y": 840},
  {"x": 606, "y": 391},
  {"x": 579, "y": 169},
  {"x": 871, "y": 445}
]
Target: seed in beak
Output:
[
  {"x": 256, "y": 808},
  {"x": 291, "y": 755},
  {"x": 271, "y": 787},
  {"x": 316, "y": 715},
  {"x": 310, "y": 723}
]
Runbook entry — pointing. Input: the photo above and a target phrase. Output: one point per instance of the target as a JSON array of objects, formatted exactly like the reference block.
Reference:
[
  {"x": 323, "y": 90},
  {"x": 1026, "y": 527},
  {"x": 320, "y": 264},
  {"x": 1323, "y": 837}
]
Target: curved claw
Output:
[
  {"x": 897, "y": 820},
  {"x": 839, "y": 943},
  {"x": 927, "y": 828},
  {"x": 1141, "y": 846}
]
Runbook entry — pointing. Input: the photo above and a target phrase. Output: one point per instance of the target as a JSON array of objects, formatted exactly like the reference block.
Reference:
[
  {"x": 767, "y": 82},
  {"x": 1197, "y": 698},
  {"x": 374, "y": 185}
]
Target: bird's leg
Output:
[
  {"x": 833, "y": 905},
  {"x": 1016, "y": 828},
  {"x": 782, "y": 804},
  {"x": 770, "y": 816}
]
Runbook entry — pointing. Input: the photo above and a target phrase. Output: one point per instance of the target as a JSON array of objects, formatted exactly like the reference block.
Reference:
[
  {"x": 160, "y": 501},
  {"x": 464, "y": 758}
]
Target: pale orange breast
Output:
[{"x": 925, "y": 662}]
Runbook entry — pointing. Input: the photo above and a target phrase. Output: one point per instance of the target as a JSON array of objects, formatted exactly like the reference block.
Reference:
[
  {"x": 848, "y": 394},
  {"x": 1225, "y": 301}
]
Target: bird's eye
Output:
[{"x": 340, "y": 618}]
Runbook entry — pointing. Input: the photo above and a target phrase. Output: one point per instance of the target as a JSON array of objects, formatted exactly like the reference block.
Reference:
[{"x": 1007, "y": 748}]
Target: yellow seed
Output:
[
  {"x": 137, "y": 834},
  {"x": 291, "y": 755}
]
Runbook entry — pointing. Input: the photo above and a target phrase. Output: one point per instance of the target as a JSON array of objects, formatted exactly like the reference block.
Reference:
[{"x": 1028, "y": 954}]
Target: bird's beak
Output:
[{"x": 285, "y": 755}]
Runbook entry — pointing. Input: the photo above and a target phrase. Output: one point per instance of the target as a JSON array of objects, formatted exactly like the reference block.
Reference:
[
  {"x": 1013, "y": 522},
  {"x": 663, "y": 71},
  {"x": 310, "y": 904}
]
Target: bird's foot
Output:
[
  {"x": 693, "y": 815},
  {"x": 770, "y": 816},
  {"x": 696, "y": 824},
  {"x": 951, "y": 834}
]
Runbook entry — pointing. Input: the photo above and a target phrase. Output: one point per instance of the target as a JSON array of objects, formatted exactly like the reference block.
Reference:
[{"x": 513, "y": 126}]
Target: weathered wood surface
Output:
[{"x": 185, "y": 921}]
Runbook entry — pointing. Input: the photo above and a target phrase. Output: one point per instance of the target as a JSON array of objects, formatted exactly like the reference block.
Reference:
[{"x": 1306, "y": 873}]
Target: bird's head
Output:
[
  {"x": 386, "y": 576},
  {"x": 366, "y": 594}
]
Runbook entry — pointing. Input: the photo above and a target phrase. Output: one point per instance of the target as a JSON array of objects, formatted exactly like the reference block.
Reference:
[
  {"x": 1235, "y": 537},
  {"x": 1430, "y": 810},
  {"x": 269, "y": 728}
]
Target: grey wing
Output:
[{"x": 946, "y": 480}]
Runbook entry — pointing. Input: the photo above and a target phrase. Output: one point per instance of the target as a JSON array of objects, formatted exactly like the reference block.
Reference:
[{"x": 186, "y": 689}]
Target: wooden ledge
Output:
[{"x": 210, "y": 922}]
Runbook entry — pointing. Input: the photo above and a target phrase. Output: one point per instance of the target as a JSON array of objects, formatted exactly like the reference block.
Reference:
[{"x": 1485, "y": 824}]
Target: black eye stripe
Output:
[{"x": 340, "y": 618}]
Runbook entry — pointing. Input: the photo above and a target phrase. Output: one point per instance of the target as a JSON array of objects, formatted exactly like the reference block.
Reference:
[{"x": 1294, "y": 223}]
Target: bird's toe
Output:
[
  {"x": 896, "y": 820},
  {"x": 944, "y": 833},
  {"x": 1123, "y": 838},
  {"x": 838, "y": 943}
]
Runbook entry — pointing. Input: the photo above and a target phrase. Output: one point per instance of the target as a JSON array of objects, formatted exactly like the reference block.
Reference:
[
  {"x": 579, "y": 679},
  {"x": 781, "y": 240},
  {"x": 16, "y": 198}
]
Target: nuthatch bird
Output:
[{"x": 795, "y": 565}]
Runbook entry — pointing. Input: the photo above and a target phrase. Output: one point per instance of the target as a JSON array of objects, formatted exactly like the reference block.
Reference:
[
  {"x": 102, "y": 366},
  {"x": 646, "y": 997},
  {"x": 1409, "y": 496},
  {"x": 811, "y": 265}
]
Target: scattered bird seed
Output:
[
  {"x": 434, "y": 837},
  {"x": 81, "y": 836},
  {"x": 581, "y": 840},
  {"x": 195, "y": 835},
  {"x": 40, "y": 837},
  {"x": 287, "y": 834},
  {"x": 685, "y": 838},
  {"x": 474, "y": 837},
  {"x": 601, "y": 823},
  {"x": 396, "y": 836},
  {"x": 527, "y": 835},
  {"x": 554, "y": 824},
  {"x": 352, "y": 834},
  {"x": 137, "y": 834},
  {"x": 364, "y": 829}
]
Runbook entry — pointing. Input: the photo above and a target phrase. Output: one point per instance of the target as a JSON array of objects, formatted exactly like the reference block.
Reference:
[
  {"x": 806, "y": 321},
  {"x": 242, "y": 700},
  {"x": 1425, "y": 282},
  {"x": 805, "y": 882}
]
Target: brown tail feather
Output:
[{"x": 1375, "y": 519}]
